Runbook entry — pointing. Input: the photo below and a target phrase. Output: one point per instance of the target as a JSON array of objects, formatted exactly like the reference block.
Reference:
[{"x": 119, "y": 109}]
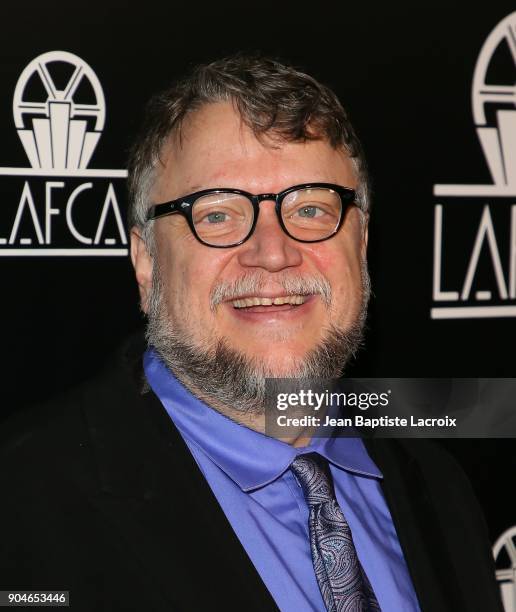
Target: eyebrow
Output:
[
  {"x": 195, "y": 189},
  {"x": 190, "y": 190}
]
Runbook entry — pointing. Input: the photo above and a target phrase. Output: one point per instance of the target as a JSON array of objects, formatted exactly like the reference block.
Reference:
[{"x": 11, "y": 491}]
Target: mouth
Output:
[
  {"x": 273, "y": 305},
  {"x": 253, "y": 301}
]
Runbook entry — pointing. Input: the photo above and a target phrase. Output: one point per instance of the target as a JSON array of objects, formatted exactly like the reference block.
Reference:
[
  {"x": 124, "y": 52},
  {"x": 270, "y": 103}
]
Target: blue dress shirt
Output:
[{"x": 248, "y": 474}]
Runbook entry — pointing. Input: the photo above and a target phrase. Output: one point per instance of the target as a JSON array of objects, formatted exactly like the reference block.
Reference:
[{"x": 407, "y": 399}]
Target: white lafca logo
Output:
[
  {"x": 498, "y": 143},
  {"x": 494, "y": 114},
  {"x": 507, "y": 576},
  {"x": 54, "y": 133},
  {"x": 59, "y": 113}
]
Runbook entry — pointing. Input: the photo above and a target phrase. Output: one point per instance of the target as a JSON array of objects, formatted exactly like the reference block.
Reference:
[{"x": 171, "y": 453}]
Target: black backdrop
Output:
[{"x": 404, "y": 71}]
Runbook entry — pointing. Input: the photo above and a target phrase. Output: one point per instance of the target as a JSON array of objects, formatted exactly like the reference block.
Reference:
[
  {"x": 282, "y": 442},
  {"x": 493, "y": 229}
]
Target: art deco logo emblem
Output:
[
  {"x": 504, "y": 552},
  {"x": 59, "y": 113},
  {"x": 499, "y": 139},
  {"x": 484, "y": 283}
]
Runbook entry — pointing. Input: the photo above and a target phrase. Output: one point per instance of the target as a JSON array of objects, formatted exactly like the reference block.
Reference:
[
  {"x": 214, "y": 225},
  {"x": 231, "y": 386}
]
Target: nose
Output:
[{"x": 269, "y": 247}]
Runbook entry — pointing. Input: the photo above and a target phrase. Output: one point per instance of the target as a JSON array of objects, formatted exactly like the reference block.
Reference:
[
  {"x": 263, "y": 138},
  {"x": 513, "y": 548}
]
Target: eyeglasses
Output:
[{"x": 222, "y": 218}]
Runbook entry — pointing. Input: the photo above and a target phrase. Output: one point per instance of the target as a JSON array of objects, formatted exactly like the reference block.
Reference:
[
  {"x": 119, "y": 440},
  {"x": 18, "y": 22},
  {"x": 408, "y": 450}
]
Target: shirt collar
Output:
[{"x": 249, "y": 458}]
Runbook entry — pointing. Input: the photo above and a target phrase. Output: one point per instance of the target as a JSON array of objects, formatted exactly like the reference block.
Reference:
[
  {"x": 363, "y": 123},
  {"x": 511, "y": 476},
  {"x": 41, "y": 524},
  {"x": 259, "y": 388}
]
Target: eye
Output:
[
  {"x": 216, "y": 217},
  {"x": 309, "y": 212}
]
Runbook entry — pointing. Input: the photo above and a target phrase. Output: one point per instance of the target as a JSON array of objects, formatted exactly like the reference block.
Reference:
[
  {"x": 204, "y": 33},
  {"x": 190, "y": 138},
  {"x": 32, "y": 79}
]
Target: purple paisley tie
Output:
[{"x": 343, "y": 583}]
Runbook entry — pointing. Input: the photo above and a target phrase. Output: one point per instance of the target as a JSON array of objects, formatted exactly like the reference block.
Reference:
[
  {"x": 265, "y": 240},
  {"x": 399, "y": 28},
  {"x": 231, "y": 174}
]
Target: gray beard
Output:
[{"x": 231, "y": 381}]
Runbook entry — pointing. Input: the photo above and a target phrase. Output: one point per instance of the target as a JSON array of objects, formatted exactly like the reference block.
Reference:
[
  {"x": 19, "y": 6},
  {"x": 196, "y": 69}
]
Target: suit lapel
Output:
[
  {"x": 417, "y": 525},
  {"x": 160, "y": 504}
]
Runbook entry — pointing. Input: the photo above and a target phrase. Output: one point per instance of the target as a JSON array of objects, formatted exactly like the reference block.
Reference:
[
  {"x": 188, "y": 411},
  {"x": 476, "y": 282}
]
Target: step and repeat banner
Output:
[{"x": 432, "y": 94}]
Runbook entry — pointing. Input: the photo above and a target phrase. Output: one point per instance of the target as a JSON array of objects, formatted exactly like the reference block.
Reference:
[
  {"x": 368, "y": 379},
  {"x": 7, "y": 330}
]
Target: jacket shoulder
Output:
[{"x": 57, "y": 433}]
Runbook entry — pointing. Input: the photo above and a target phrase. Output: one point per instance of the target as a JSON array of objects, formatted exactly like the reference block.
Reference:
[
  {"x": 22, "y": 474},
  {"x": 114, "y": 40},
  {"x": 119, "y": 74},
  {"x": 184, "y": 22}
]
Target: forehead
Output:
[{"x": 217, "y": 149}]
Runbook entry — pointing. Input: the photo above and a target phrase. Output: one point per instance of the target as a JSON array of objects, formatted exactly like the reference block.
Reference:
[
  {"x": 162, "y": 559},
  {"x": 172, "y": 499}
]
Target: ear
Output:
[
  {"x": 365, "y": 232},
  {"x": 142, "y": 263}
]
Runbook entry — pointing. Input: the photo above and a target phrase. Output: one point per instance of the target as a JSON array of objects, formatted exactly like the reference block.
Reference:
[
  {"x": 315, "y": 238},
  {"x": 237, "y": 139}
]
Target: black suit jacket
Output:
[{"x": 101, "y": 497}]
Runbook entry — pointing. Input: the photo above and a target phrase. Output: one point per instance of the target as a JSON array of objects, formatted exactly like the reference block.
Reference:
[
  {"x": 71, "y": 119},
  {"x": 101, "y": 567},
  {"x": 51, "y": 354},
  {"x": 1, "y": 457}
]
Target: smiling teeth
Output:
[{"x": 263, "y": 301}]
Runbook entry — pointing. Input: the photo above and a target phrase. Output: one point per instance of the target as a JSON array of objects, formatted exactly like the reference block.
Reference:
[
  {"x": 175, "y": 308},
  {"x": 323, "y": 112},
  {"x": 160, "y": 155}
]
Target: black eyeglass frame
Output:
[{"x": 184, "y": 206}]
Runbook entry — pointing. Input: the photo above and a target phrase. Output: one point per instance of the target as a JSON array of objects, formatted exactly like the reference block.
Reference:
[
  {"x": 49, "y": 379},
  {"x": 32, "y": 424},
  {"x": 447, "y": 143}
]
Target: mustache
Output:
[{"x": 315, "y": 284}]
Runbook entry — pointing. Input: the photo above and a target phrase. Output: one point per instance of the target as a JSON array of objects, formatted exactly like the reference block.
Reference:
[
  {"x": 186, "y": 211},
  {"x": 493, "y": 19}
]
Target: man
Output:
[{"x": 155, "y": 487}]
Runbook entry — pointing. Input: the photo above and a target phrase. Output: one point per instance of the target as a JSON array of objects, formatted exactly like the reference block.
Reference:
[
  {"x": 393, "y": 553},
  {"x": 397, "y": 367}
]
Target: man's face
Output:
[{"x": 218, "y": 150}]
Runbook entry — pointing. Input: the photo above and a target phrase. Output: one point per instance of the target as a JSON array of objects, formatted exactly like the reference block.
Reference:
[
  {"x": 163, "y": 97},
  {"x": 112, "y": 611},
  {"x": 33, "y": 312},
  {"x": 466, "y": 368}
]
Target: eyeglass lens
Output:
[{"x": 310, "y": 214}]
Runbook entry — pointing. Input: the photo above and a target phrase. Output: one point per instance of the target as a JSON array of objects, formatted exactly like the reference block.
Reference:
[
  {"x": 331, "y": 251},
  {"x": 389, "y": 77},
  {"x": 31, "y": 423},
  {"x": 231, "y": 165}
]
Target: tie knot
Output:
[{"x": 313, "y": 474}]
